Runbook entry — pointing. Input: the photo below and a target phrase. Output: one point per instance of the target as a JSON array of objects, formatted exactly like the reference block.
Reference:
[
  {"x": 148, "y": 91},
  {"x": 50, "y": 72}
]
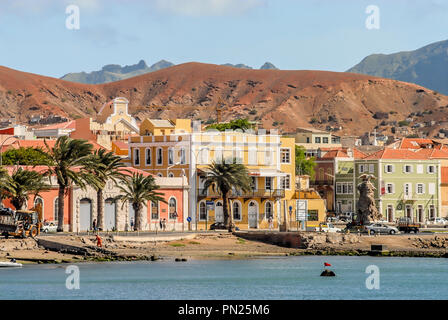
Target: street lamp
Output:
[
  {"x": 183, "y": 202},
  {"x": 1, "y": 149},
  {"x": 176, "y": 164}
]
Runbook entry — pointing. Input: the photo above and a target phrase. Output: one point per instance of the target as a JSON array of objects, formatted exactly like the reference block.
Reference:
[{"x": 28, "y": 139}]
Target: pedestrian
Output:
[
  {"x": 99, "y": 242},
  {"x": 94, "y": 225},
  {"x": 161, "y": 224},
  {"x": 271, "y": 225},
  {"x": 132, "y": 224},
  {"x": 164, "y": 224}
]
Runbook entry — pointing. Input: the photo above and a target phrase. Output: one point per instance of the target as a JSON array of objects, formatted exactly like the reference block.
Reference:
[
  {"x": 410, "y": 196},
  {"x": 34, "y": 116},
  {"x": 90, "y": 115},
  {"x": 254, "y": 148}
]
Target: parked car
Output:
[
  {"x": 49, "y": 228},
  {"x": 381, "y": 228},
  {"x": 332, "y": 219},
  {"x": 325, "y": 227},
  {"x": 441, "y": 221},
  {"x": 218, "y": 226}
]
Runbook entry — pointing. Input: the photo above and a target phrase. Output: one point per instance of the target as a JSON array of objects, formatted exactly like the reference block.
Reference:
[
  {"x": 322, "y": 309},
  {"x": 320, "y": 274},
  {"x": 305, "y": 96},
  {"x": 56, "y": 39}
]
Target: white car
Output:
[
  {"x": 329, "y": 227},
  {"x": 441, "y": 221},
  {"x": 49, "y": 228}
]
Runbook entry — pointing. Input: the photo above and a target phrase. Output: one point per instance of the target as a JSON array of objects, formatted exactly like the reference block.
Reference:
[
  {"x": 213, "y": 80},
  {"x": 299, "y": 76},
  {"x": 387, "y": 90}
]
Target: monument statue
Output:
[{"x": 367, "y": 211}]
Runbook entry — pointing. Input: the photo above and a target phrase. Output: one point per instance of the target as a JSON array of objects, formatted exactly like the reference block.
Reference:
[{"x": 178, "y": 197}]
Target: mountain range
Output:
[
  {"x": 115, "y": 72},
  {"x": 283, "y": 99},
  {"x": 427, "y": 66}
]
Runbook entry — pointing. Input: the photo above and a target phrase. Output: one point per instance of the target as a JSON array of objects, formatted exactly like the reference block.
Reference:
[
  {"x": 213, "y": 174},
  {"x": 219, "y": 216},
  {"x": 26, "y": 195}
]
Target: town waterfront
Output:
[{"x": 260, "y": 278}]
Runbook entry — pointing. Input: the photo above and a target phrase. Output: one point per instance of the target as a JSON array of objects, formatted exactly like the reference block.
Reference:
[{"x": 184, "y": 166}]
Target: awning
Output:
[{"x": 266, "y": 173}]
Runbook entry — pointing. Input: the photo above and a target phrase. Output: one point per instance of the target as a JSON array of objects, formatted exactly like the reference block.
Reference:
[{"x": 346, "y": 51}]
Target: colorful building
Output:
[{"x": 173, "y": 148}]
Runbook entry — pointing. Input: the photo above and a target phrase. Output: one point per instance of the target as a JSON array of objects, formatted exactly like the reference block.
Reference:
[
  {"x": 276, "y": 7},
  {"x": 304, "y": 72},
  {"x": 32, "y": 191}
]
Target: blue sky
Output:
[{"x": 292, "y": 34}]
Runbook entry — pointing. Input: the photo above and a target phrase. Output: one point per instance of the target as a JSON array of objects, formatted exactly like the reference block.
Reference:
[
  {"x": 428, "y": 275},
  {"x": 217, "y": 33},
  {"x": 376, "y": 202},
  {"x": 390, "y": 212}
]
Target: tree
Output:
[
  {"x": 241, "y": 124},
  {"x": 304, "y": 165},
  {"x": 105, "y": 166},
  {"x": 69, "y": 161},
  {"x": 225, "y": 176},
  {"x": 22, "y": 183},
  {"x": 138, "y": 190},
  {"x": 24, "y": 156}
]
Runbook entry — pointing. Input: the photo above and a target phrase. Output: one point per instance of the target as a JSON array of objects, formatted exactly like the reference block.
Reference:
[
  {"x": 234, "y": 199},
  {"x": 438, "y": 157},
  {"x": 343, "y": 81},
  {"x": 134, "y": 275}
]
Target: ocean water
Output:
[{"x": 261, "y": 278}]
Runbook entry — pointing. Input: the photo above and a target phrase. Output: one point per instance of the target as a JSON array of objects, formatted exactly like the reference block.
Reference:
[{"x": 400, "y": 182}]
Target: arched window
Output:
[
  {"x": 148, "y": 156},
  {"x": 159, "y": 156},
  {"x": 170, "y": 175},
  {"x": 56, "y": 208},
  {"x": 160, "y": 175},
  {"x": 182, "y": 155},
  {"x": 268, "y": 210},
  {"x": 173, "y": 208},
  {"x": 154, "y": 210},
  {"x": 170, "y": 156},
  {"x": 39, "y": 201},
  {"x": 202, "y": 211},
  {"x": 136, "y": 156},
  {"x": 236, "y": 211}
]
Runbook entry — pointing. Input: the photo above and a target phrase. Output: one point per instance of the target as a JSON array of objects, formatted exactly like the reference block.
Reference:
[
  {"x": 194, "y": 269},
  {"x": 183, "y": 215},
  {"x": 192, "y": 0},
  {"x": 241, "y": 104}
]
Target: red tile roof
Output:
[
  {"x": 421, "y": 154},
  {"x": 121, "y": 144},
  {"x": 414, "y": 143},
  {"x": 63, "y": 125}
]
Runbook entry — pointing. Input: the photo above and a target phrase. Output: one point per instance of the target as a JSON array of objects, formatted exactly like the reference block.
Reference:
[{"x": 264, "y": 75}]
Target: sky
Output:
[{"x": 42, "y": 36}]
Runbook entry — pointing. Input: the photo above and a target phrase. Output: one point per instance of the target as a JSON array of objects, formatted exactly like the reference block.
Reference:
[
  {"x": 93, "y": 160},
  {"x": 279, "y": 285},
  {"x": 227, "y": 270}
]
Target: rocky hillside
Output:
[
  {"x": 426, "y": 66},
  {"x": 276, "y": 98}
]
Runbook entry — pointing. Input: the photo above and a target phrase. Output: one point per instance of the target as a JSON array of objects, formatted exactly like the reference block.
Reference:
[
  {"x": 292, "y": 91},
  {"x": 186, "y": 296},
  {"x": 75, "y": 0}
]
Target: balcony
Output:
[
  {"x": 328, "y": 182},
  {"x": 255, "y": 193}
]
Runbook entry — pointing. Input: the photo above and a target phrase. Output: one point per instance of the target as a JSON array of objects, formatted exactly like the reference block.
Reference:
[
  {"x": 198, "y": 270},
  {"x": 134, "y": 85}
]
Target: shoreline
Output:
[{"x": 217, "y": 246}]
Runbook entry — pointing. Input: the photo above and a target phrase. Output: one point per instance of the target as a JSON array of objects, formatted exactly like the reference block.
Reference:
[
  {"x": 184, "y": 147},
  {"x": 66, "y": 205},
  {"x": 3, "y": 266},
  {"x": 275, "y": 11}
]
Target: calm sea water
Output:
[{"x": 264, "y": 278}]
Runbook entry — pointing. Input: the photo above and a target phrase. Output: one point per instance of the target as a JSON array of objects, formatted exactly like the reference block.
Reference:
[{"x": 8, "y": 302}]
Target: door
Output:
[
  {"x": 131, "y": 221},
  {"x": 420, "y": 213},
  {"x": 253, "y": 214},
  {"x": 409, "y": 211},
  {"x": 219, "y": 212},
  {"x": 110, "y": 215},
  {"x": 85, "y": 215}
]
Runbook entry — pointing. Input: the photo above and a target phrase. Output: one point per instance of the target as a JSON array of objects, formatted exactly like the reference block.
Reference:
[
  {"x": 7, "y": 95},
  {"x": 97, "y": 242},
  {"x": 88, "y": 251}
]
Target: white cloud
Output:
[{"x": 207, "y": 7}]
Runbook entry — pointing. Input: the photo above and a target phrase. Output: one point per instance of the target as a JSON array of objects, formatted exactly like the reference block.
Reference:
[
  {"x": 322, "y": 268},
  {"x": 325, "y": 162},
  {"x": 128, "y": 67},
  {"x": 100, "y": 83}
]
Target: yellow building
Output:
[{"x": 172, "y": 148}]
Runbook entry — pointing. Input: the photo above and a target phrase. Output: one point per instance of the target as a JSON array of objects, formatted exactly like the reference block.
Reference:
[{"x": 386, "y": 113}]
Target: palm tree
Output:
[
  {"x": 225, "y": 176},
  {"x": 69, "y": 161},
  {"x": 22, "y": 183},
  {"x": 138, "y": 190},
  {"x": 105, "y": 166}
]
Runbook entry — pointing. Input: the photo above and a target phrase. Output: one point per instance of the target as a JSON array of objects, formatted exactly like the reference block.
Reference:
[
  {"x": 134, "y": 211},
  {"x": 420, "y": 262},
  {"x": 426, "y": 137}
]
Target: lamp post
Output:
[
  {"x": 171, "y": 166},
  {"x": 183, "y": 202},
  {"x": 1, "y": 149}
]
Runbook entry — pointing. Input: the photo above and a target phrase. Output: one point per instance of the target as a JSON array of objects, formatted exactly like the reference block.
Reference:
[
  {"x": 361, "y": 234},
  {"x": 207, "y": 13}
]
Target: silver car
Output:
[{"x": 381, "y": 228}]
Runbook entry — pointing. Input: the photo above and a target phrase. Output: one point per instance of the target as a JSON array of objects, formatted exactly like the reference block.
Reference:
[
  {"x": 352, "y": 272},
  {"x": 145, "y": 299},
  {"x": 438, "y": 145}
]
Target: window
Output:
[
  {"x": 56, "y": 209},
  {"x": 39, "y": 201},
  {"x": 268, "y": 183},
  {"x": 268, "y": 156},
  {"x": 390, "y": 213},
  {"x": 325, "y": 139},
  {"x": 313, "y": 215},
  {"x": 236, "y": 211},
  {"x": 202, "y": 211},
  {"x": 285, "y": 155},
  {"x": 431, "y": 169},
  {"x": 183, "y": 156},
  {"x": 172, "y": 204},
  {"x": 136, "y": 157},
  {"x": 154, "y": 210},
  {"x": 407, "y": 168},
  {"x": 389, "y": 188},
  {"x": 361, "y": 168},
  {"x": 170, "y": 156},
  {"x": 269, "y": 212},
  {"x": 388, "y": 168},
  {"x": 159, "y": 156},
  {"x": 170, "y": 175},
  {"x": 252, "y": 156},
  {"x": 344, "y": 188},
  {"x": 160, "y": 175},
  {"x": 371, "y": 168},
  {"x": 407, "y": 189},
  {"x": 307, "y": 139},
  {"x": 317, "y": 140},
  {"x": 420, "y": 188},
  {"x": 419, "y": 168},
  {"x": 285, "y": 182},
  {"x": 254, "y": 183},
  {"x": 148, "y": 156},
  {"x": 431, "y": 188}
]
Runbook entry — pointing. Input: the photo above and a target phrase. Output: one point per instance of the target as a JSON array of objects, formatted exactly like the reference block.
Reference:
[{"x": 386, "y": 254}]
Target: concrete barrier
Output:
[{"x": 154, "y": 238}]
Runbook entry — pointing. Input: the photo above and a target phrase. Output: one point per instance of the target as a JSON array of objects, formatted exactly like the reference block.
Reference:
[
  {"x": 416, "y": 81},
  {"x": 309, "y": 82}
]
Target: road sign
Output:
[
  {"x": 210, "y": 205},
  {"x": 189, "y": 219}
]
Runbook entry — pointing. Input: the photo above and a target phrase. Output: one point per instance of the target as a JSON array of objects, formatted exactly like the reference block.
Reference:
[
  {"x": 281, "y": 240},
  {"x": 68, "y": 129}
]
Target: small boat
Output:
[{"x": 10, "y": 264}]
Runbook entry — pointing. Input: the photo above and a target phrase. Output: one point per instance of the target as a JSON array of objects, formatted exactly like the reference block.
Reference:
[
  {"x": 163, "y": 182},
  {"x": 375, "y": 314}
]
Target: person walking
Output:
[
  {"x": 161, "y": 224},
  {"x": 94, "y": 225},
  {"x": 132, "y": 224},
  {"x": 164, "y": 224},
  {"x": 99, "y": 242},
  {"x": 271, "y": 225}
]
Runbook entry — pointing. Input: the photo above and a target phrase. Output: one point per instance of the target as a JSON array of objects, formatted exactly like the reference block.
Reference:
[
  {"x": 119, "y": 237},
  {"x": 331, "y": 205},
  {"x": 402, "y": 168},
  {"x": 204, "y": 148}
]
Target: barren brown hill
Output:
[{"x": 286, "y": 99}]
